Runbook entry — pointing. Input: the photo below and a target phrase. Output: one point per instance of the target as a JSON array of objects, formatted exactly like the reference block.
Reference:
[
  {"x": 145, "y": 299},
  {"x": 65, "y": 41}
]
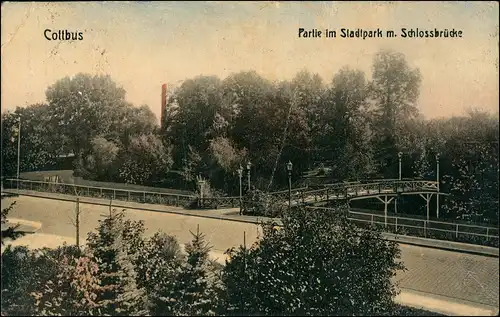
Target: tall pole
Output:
[
  {"x": 289, "y": 189},
  {"x": 399, "y": 157},
  {"x": 240, "y": 174},
  {"x": 77, "y": 224},
  {"x": 18, "y": 151},
  {"x": 437, "y": 179},
  {"x": 248, "y": 174},
  {"x": 397, "y": 186},
  {"x": 289, "y": 168}
]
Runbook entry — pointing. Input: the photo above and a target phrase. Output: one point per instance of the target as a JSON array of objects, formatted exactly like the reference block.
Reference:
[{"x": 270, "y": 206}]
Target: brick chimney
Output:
[{"x": 163, "y": 103}]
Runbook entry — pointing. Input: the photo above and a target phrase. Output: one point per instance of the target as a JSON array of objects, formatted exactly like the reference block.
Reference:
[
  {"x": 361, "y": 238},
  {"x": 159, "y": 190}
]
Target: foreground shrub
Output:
[
  {"x": 317, "y": 263},
  {"x": 26, "y": 272},
  {"x": 74, "y": 291},
  {"x": 259, "y": 203},
  {"x": 193, "y": 288},
  {"x": 116, "y": 246}
]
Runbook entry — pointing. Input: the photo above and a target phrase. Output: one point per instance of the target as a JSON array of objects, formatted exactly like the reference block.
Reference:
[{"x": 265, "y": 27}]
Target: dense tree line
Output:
[
  {"x": 88, "y": 117},
  {"x": 350, "y": 127},
  {"x": 121, "y": 272}
]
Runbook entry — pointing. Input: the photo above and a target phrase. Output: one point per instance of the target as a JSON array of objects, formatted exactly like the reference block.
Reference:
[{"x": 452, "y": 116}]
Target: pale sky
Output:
[{"x": 143, "y": 45}]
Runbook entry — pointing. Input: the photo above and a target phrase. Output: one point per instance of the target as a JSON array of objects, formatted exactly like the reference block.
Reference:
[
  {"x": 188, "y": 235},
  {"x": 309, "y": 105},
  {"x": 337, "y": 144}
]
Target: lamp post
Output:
[
  {"x": 249, "y": 165},
  {"x": 240, "y": 174},
  {"x": 289, "y": 166},
  {"x": 437, "y": 179},
  {"x": 400, "y": 155}
]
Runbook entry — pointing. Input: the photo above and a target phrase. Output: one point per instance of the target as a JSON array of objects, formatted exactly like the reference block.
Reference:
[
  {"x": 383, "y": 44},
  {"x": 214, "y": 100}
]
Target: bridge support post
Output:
[
  {"x": 386, "y": 202},
  {"x": 427, "y": 199}
]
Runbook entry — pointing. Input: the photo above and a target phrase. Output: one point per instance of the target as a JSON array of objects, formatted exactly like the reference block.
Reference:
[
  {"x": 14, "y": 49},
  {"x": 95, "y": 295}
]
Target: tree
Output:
[
  {"x": 309, "y": 93},
  {"x": 345, "y": 131},
  {"x": 73, "y": 291},
  {"x": 116, "y": 246},
  {"x": 83, "y": 107},
  {"x": 195, "y": 290},
  {"x": 394, "y": 94},
  {"x": 146, "y": 159},
  {"x": 255, "y": 120},
  {"x": 136, "y": 121},
  {"x": 26, "y": 272},
  {"x": 198, "y": 100},
  {"x": 39, "y": 141},
  {"x": 470, "y": 171},
  {"x": 224, "y": 161},
  {"x": 10, "y": 232},
  {"x": 101, "y": 163},
  {"x": 157, "y": 268},
  {"x": 283, "y": 274}
]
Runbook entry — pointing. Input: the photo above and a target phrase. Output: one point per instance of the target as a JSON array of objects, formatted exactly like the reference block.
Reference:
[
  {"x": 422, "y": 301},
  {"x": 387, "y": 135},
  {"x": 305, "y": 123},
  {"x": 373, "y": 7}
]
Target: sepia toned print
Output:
[{"x": 250, "y": 158}]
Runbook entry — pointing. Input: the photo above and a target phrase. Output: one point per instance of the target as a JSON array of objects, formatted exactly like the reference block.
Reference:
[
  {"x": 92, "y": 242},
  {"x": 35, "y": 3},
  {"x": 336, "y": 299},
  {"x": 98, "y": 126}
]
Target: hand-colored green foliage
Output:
[
  {"x": 315, "y": 264},
  {"x": 73, "y": 291},
  {"x": 116, "y": 246},
  {"x": 27, "y": 272},
  {"x": 192, "y": 286},
  {"x": 11, "y": 232},
  {"x": 157, "y": 268}
]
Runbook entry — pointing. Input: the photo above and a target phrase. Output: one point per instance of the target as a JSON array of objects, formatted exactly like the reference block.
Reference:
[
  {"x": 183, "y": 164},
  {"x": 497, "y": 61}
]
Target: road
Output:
[{"x": 455, "y": 277}]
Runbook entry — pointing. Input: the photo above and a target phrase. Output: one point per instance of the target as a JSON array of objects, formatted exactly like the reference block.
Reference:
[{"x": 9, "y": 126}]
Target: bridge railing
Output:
[
  {"x": 101, "y": 192},
  {"x": 356, "y": 189},
  {"x": 428, "y": 228}
]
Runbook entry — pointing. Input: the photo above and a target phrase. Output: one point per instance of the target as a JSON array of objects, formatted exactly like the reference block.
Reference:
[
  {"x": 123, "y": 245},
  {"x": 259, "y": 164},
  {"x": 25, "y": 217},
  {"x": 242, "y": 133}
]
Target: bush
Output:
[
  {"x": 259, "y": 203},
  {"x": 116, "y": 246},
  {"x": 190, "y": 287},
  {"x": 74, "y": 291},
  {"x": 25, "y": 272},
  {"x": 316, "y": 264}
]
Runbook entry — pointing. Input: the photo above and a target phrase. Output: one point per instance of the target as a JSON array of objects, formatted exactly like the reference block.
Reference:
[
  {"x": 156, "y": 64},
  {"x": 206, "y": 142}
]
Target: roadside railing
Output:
[
  {"x": 439, "y": 230},
  {"x": 102, "y": 192},
  {"x": 219, "y": 202}
]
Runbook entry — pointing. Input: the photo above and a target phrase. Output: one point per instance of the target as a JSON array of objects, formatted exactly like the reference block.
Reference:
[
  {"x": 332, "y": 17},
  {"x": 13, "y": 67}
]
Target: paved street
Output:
[{"x": 460, "y": 277}]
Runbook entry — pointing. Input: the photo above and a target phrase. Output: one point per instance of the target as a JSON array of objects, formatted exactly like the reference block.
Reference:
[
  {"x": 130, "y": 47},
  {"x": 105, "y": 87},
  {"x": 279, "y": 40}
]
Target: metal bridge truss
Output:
[{"x": 383, "y": 190}]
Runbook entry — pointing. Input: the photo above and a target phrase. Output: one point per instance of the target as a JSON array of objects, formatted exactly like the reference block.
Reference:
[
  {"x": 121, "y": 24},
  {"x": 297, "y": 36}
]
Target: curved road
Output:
[{"x": 455, "y": 277}]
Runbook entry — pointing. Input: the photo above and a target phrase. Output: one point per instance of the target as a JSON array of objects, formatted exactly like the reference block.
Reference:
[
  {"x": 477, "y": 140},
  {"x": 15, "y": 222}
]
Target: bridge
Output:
[{"x": 384, "y": 190}]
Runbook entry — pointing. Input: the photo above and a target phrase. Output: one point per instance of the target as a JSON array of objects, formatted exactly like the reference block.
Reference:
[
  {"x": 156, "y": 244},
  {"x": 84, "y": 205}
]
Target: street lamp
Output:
[
  {"x": 289, "y": 166},
  {"x": 437, "y": 179},
  {"x": 240, "y": 174},
  {"x": 248, "y": 173}
]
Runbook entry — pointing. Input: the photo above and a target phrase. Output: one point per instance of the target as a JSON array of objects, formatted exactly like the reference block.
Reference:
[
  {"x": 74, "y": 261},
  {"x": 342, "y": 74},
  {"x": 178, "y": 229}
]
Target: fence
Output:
[
  {"x": 218, "y": 202},
  {"x": 428, "y": 228},
  {"x": 102, "y": 192}
]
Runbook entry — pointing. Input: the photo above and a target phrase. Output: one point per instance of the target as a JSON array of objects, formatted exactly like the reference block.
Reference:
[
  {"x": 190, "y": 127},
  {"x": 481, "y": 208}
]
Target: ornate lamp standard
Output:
[
  {"x": 289, "y": 166},
  {"x": 400, "y": 155},
  {"x": 240, "y": 174}
]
